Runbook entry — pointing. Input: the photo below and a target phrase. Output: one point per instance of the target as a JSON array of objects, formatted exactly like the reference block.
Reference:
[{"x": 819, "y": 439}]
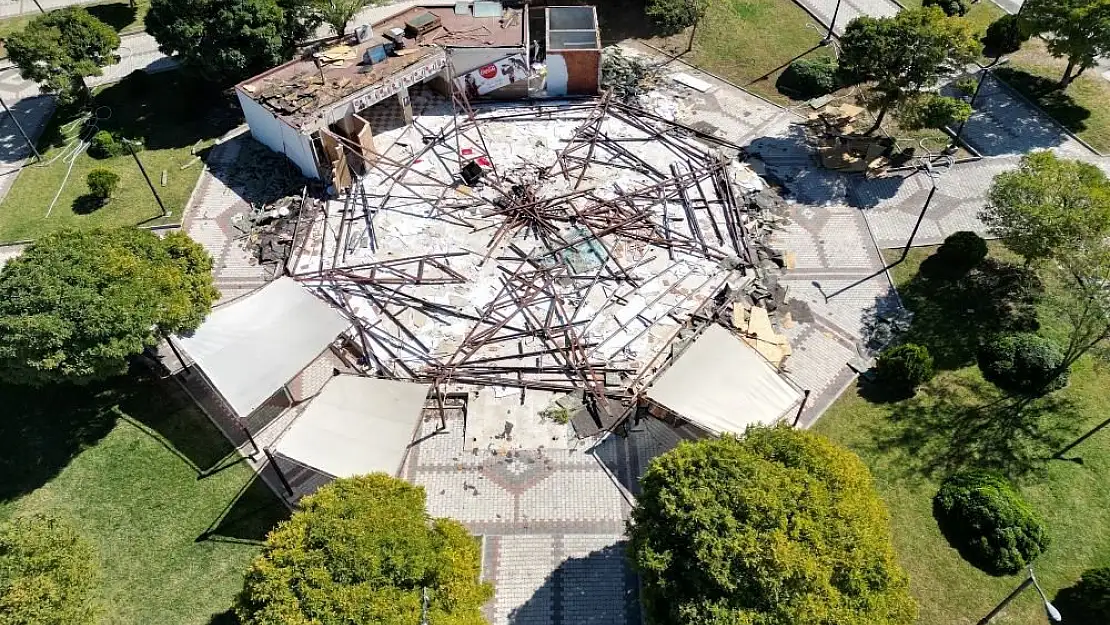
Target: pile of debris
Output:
[
  {"x": 628, "y": 77},
  {"x": 584, "y": 241}
]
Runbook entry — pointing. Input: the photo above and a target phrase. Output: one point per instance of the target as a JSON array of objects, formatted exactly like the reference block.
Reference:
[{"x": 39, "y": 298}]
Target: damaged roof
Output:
[{"x": 301, "y": 91}]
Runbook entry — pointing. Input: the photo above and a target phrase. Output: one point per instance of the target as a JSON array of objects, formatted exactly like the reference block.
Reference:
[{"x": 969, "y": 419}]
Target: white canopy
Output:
[
  {"x": 723, "y": 385},
  {"x": 355, "y": 426},
  {"x": 255, "y": 345}
]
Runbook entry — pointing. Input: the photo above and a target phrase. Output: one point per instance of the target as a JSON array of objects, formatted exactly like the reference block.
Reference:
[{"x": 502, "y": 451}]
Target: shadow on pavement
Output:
[{"x": 596, "y": 588}]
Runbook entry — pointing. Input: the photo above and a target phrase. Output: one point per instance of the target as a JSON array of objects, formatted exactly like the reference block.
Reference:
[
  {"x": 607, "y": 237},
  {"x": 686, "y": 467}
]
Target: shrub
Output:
[
  {"x": 960, "y": 253},
  {"x": 951, "y": 8},
  {"x": 105, "y": 145},
  {"x": 967, "y": 85},
  {"x": 904, "y": 367},
  {"x": 47, "y": 573},
  {"x": 723, "y": 524},
  {"x": 933, "y": 111},
  {"x": 988, "y": 522},
  {"x": 1005, "y": 35},
  {"x": 102, "y": 183},
  {"x": 1023, "y": 364},
  {"x": 1088, "y": 601},
  {"x": 671, "y": 16},
  {"x": 1001, "y": 296},
  {"x": 361, "y": 550},
  {"x": 809, "y": 78}
]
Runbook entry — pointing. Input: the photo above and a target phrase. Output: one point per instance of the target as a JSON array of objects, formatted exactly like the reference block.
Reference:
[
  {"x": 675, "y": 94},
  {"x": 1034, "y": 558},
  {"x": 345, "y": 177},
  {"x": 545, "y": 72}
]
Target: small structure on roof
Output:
[
  {"x": 722, "y": 385},
  {"x": 356, "y": 425},
  {"x": 251, "y": 348}
]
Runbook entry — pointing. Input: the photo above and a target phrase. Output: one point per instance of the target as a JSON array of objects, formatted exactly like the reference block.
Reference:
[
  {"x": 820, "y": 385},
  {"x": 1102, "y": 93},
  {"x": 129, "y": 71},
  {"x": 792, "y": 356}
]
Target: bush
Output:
[
  {"x": 671, "y": 16},
  {"x": 1088, "y": 601},
  {"x": 1001, "y": 297},
  {"x": 904, "y": 367},
  {"x": 933, "y": 111},
  {"x": 988, "y": 522},
  {"x": 105, "y": 145},
  {"x": 723, "y": 524},
  {"x": 47, "y": 573},
  {"x": 1005, "y": 35},
  {"x": 809, "y": 78},
  {"x": 951, "y": 8},
  {"x": 967, "y": 85},
  {"x": 360, "y": 550},
  {"x": 1023, "y": 364},
  {"x": 102, "y": 183},
  {"x": 960, "y": 253}
]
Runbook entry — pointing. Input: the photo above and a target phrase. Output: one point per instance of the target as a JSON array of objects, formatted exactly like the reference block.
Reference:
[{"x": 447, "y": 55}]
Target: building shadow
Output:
[
  {"x": 250, "y": 515},
  {"x": 598, "y": 588},
  {"x": 254, "y": 172}
]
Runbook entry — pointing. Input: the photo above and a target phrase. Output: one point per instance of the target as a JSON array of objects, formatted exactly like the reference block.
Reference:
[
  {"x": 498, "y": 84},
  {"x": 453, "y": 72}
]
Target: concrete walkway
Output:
[{"x": 824, "y": 10}]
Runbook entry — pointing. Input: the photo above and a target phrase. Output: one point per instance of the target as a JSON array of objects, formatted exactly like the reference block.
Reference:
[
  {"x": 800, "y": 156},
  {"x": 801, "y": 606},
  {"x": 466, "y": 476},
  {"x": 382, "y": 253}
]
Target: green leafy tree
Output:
[
  {"x": 999, "y": 296},
  {"x": 933, "y": 111},
  {"x": 74, "y": 306},
  {"x": 338, "y": 13},
  {"x": 985, "y": 518},
  {"x": 1079, "y": 31},
  {"x": 60, "y": 48},
  {"x": 229, "y": 40},
  {"x": 362, "y": 550},
  {"x": 960, "y": 253},
  {"x": 1023, "y": 364},
  {"x": 671, "y": 16},
  {"x": 1005, "y": 35},
  {"x": 780, "y": 527},
  {"x": 951, "y": 8},
  {"x": 47, "y": 573},
  {"x": 902, "y": 55},
  {"x": 1048, "y": 207}
]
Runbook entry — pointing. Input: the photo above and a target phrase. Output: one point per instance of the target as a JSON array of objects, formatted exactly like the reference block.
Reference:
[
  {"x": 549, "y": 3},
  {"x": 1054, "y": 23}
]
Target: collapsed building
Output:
[{"x": 526, "y": 264}]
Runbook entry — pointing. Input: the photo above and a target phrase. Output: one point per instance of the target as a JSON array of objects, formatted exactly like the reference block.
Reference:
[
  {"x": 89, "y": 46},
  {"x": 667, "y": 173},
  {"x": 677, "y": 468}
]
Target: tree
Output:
[
  {"x": 74, "y": 306},
  {"x": 987, "y": 520},
  {"x": 1079, "y": 29},
  {"x": 229, "y": 40},
  {"x": 362, "y": 550},
  {"x": 1048, "y": 206},
  {"x": 671, "y": 16},
  {"x": 338, "y": 13},
  {"x": 780, "y": 526},
  {"x": 904, "y": 54},
  {"x": 1000, "y": 296},
  {"x": 47, "y": 573},
  {"x": 933, "y": 111},
  {"x": 809, "y": 78},
  {"x": 1005, "y": 35},
  {"x": 1022, "y": 364},
  {"x": 60, "y": 48},
  {"x": 904, "y": 367}
]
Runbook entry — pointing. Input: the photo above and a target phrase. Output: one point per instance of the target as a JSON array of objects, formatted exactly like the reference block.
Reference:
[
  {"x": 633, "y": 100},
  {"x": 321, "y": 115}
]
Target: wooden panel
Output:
[{"x": 582, "y": 71}]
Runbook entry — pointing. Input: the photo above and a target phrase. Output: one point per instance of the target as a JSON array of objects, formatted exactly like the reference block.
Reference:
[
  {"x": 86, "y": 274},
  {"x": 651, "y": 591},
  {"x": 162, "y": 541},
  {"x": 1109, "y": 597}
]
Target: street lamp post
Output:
[{"x": 1053, "y": 613}]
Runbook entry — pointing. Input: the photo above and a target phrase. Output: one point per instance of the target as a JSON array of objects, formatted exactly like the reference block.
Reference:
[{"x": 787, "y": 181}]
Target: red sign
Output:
[{"x": 487, "y": 72}]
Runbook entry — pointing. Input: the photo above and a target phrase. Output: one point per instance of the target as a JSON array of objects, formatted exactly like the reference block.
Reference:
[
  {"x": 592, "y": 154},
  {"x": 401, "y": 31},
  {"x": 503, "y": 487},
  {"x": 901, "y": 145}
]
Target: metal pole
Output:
[
  {"x": 150, "y": 184},
  {"x": 1005, "y": 602},
  {"x": 280, "y": 473},
  {"x": 805, "y": 398},
  {"x": 920, "y": 218},
  {"x": 832, "y": 23},
  {"x": 30, "y": 144}
]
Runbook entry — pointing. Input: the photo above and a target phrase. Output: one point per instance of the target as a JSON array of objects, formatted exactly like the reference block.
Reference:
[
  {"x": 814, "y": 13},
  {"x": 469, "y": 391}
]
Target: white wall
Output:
[
  {"x": 463, "y": 60},
  {"x": 278, "y": 136}
]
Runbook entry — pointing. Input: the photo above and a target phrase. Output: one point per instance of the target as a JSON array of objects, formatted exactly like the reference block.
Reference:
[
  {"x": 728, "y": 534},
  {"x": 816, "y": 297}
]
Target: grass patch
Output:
[
  {"x": 981, "y": 14},
  {"x": 146, "y": 107},
  {"x": 1082, "y": 108},
  {"x": 749, "y": 42},
  {"x": 956, "y": 421},
  {"x": 121, "y": 16},
  {"x": 124, "y": 462}
]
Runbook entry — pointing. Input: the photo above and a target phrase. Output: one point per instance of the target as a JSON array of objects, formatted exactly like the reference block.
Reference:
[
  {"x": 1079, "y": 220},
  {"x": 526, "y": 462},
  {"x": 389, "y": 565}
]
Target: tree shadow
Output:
[
  {"x": 596, "y": 588},
  {"x": 43, "y": 429},
  {"x": 227, "y": 617},
  {"x": 1004, "y": 124},
  {"x": 963, "y": 422},
  {"x": 1074, "y": 603},
  {"x": 250, "y": 515},
  {"x": 118, "y": 15},
  {"x": 88, "y": 204}
]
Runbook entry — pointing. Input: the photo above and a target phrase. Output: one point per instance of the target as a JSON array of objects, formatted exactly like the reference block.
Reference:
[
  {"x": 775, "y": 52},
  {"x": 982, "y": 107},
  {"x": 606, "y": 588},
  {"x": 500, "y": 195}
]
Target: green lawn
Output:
[
  {"x": 125, "y": 463},
  {"x": 910, "y": 445},
  {"x": 749, "y": 42},
  {"x": 119, "y": 15},
  {"x": 1084, "y": 108},
  {"x": 980, "y": 16},
  {"x": 174, "y": 116}
]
